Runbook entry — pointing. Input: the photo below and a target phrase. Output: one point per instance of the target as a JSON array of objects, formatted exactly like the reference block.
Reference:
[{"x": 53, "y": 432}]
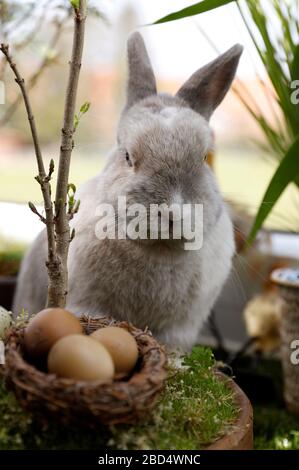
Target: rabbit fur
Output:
[{"x": 162, "y": 142}]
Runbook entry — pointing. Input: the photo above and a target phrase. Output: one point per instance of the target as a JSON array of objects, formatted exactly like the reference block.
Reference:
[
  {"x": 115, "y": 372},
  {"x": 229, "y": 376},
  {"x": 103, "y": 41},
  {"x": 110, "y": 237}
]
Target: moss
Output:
[{"x": 194, "y": 409}]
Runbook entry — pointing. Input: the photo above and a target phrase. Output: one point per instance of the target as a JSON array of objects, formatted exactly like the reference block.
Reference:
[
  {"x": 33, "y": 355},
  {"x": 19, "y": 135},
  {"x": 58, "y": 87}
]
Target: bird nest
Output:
[{"x": 125, "y": 400}]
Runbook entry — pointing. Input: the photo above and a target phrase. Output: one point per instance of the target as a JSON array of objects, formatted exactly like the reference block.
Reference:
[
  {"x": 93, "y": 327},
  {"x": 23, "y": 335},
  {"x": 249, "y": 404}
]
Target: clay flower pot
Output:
[{"x": 241, "y": 435}]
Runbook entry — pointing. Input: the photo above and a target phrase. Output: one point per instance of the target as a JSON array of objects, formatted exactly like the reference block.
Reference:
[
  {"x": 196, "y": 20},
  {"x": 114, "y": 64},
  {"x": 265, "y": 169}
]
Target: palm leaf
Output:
[
  {"x": 201, "y": 7},
  {"x": 286, "y": 173},
  {"x": 295, "y": 65}
]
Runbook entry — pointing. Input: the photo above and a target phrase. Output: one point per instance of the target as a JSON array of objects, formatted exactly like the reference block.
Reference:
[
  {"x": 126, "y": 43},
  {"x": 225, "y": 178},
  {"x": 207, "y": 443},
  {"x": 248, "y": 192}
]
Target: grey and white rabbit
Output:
[{"x": 162, "y": 142}]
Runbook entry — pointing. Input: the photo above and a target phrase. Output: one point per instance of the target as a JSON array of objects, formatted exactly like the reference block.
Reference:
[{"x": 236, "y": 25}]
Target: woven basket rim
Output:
[
  {"x": 23, "y": 364},
  {"x": 124, "y": 400},
  {"x": 30, "y": 368}
]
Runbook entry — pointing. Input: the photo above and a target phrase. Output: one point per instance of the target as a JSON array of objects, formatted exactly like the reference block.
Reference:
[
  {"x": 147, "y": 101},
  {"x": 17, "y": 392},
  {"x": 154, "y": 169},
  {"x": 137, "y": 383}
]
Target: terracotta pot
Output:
[{"x": 241, "y": 436}]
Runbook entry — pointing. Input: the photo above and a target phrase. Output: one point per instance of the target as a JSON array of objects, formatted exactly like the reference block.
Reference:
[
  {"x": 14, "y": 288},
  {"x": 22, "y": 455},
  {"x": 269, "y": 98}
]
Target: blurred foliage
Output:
[
  {"x": 36, "y": 32},
  {"x": 11, "y": 254},
  {"x": 17, "y": 15},
  {"x": 10, "y": 262},
  {"x": 275, "y": 429}
]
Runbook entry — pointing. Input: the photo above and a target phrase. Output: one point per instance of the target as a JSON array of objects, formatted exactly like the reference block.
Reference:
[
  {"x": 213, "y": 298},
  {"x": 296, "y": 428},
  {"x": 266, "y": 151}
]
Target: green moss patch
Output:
[{"x": 194, "y": 409}]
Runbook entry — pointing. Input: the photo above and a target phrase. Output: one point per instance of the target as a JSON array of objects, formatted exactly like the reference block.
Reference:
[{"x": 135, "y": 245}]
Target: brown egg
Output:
[
  {"x": 120, "y": 344},
  {"x": 80, "y": 357},
  {"x": 47, "y": 327}
]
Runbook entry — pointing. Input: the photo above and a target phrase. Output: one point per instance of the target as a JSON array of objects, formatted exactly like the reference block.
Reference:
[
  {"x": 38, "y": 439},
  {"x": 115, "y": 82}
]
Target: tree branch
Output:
[
  {"x": 58, "y": 229},
  {"x": 62, "y": 219},
  {"x": 42, "y": 176}
]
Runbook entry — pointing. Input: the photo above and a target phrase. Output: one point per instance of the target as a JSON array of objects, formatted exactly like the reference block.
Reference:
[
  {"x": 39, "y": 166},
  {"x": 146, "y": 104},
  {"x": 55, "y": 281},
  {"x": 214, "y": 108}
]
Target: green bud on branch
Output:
[
  {"x": 75, "y": 4},
  {"x": 51, "y": 168},
  {"x": 37, "y": 178},
  {"x": 85, "y": 107},
  {"x": 35, "y": 211},
  {"x": 73, "y": 233},
  {"x": 71, "y": 191},
  {"x": 83, "y": 110}
]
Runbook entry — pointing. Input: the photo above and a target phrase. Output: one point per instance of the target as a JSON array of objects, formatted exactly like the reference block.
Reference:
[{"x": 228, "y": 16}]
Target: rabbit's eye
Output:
[{"x": 128, "y": 159}]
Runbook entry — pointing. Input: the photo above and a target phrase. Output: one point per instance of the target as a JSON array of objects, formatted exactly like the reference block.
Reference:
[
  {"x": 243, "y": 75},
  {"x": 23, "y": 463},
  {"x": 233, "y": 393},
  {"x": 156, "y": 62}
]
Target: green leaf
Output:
[
  {"x": 83, "y": 110},
  {"x": 71, "y": 187},
  {"x": 76, "y": 121},
  {"x": 201, "y": 7},
  {"x": 286, "y": 173},
  {"x": 295, "y": 65},
  {"x": 75, "y": 4},
  {"x": 85, "y": 107}
]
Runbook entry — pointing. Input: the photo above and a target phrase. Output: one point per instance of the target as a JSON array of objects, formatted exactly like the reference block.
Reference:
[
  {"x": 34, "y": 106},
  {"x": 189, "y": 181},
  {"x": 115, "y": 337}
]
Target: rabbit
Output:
[{"x": 162, "y": 142}]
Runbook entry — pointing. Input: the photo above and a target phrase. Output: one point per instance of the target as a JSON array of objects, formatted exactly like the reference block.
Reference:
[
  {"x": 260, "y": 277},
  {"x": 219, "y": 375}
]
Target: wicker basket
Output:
[
  {"x": 288, "y": 284},
  {"x": 125, "y": 400}
]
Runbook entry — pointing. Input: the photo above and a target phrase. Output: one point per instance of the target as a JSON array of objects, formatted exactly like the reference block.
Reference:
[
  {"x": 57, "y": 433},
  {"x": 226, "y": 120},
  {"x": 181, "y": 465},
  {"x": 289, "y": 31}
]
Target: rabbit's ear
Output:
[
  {"x": 207, "y": 87},
  {"x": 142, "y": 82}
]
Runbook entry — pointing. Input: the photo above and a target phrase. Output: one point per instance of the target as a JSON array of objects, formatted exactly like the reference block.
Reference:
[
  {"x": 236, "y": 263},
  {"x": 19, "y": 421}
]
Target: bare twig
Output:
[
  {"x": 58, "y": 295},
  {"x": 42, "y": 176}
]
